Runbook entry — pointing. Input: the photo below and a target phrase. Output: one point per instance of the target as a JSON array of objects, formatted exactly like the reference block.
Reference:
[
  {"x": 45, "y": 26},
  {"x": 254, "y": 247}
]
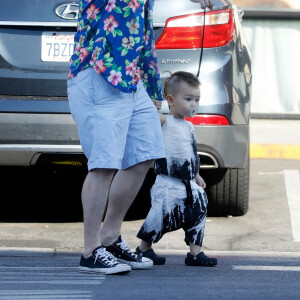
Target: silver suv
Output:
[{"x": 36, "y": 41}]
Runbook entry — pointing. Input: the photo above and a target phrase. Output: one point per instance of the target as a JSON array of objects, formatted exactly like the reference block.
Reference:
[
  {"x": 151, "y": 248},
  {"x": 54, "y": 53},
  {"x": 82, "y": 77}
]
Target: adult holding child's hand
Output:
[
  {"x": 205, "y": 3},
  {"x": 113, "y": 79}
]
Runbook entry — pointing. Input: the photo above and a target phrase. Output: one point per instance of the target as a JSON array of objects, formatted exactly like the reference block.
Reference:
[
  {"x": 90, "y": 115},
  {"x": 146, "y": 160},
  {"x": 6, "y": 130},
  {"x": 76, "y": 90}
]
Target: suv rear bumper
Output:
[
  {"x": 26, "y": 136},
  {"x": 228, "y": 145}
]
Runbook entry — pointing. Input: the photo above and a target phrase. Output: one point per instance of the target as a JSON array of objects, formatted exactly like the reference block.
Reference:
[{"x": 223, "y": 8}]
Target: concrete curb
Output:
[
  {"x": 234, "y": 253},
  {"x": 17, "y": 252},
  {"x": 51, "y": 252}
]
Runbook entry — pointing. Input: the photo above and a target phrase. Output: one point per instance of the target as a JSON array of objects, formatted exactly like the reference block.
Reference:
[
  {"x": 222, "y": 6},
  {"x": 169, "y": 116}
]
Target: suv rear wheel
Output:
[{"x": 227, "y": 191}]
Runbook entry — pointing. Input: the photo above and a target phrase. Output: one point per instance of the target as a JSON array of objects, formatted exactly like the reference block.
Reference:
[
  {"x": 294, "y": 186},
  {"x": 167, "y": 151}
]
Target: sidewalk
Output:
[{"x": 275, "y": 139}]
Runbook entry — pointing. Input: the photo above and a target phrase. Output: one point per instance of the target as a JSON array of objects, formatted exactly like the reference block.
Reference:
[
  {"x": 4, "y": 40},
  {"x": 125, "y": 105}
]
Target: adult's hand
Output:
[
  {"x": 205, "y": 3},
  {"x": 157, "y": 103}
]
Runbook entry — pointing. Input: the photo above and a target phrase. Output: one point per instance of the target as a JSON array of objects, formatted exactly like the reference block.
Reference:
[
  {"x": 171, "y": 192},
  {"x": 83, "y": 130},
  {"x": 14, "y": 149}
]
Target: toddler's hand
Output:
[
  {"x": 200, "y": 181},
  {"x": 157, "y": 103}
]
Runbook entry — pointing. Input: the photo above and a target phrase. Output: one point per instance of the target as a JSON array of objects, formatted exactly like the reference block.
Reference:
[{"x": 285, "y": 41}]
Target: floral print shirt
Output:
[{"x": 115, "y": 38}]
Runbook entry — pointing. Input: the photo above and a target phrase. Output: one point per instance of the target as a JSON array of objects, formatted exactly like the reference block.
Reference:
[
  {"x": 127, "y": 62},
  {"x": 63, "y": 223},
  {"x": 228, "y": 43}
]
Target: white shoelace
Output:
[
  {"x": 126, "y": 248},
  {"x": 105, "y": 256}
]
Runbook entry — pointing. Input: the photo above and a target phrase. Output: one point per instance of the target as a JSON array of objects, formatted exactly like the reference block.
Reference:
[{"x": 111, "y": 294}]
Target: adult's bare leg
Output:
[
  {"x": 123, "y": 190},
  {"x": 94, "y": 198}
]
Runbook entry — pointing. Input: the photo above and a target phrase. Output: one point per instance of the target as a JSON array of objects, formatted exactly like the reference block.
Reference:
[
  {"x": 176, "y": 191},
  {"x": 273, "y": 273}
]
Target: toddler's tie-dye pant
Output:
[{"x": 169, "y": 211}]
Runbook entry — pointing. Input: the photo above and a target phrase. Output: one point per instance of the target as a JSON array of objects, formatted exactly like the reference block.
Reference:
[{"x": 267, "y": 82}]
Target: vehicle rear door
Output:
[{"x": 35, "y": 47}]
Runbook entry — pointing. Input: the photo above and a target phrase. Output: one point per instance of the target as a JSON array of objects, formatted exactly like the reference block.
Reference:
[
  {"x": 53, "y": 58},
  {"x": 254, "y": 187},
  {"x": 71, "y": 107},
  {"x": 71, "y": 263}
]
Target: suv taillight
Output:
[
  {"x": 186, "y": 32},
  {"x": 208, "y": 120}
]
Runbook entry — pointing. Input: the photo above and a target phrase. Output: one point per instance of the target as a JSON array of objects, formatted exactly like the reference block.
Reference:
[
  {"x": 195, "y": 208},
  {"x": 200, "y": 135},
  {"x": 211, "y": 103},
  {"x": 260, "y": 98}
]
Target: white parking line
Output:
[
  {"x": 292, "y": 185},
  {"x": 39, "y": 268},
  {"x": 58, "y": 281},
  {"x": 48, "y": 275},
  {"x": 45, "y": 294},
  {"x": 267, "y": 268}
]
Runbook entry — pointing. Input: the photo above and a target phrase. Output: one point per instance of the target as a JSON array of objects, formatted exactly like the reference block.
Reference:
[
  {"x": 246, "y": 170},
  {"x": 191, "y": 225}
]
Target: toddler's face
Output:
[{"x": 186, "y": 101}]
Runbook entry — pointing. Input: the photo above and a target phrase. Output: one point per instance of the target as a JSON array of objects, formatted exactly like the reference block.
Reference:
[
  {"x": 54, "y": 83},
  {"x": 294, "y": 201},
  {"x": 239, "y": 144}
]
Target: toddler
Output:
[{"x": 177, "y": 196}]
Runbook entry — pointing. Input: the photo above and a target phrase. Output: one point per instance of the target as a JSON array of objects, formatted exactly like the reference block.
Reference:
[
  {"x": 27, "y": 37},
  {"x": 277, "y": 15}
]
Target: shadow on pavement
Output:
[{"x": 53, "y": 194}]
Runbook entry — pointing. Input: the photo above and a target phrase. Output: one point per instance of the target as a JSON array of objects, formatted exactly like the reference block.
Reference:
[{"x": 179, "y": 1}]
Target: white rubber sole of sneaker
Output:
[
  {"x": 120, "y": 269},
  {"x": 145, "y": 264}
]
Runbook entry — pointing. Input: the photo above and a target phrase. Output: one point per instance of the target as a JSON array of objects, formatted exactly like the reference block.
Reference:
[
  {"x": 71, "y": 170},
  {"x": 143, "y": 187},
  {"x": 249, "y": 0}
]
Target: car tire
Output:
[{"x": 227, "y": 191}]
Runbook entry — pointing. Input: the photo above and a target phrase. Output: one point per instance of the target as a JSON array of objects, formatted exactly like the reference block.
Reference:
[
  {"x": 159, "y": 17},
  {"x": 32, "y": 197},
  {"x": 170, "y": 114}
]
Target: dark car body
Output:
[{"x": 35, "y": 121}]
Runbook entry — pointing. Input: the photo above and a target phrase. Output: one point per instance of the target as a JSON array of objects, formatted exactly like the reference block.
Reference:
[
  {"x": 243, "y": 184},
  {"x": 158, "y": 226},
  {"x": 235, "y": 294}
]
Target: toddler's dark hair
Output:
[{"x": 171, "y": 83}]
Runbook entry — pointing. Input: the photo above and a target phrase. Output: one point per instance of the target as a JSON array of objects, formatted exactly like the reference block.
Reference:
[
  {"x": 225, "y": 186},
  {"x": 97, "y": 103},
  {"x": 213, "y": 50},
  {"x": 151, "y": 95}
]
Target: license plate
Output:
[{"x": 57, "y": 46}]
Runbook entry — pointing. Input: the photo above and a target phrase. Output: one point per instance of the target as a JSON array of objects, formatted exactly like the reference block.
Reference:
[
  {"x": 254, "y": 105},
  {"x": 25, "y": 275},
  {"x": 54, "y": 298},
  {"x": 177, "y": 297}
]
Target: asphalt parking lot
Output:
[
  {"x": 41, "y": 236},
  {"x": 271, "y": 224}
]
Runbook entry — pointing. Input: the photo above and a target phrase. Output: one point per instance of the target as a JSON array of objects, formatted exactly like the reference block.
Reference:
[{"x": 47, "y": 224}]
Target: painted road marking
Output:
[
  {"x": 48, "y": 275},
  {"x": 39, "y": 268},
  {"x": 45, "y": 294},
  {"x": 292, "y": 185},
  {"x": 267, "y": 268},
  {"x": 275, "y": 151},
  {"x": 58, "y": 281}
]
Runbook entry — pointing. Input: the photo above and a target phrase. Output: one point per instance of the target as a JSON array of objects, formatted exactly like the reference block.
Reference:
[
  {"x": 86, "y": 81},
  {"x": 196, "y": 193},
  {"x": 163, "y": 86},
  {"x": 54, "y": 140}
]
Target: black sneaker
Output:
[
  {"x": 123, "y": 254},
  {"x": 102, "y": 262},
  {"x": 200, "y": 260},
  {"x": 157, "y": 260}
]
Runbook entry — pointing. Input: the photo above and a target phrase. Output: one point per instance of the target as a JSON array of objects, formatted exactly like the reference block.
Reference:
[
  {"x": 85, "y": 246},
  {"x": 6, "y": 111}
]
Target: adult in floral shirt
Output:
[{"x": 113, "y": 79}]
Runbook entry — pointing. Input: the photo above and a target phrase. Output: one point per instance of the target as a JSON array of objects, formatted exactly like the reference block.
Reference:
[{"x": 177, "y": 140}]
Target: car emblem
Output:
[
  {"x": 68, "y": 11},
  {"x": 176, "y": 61}
]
